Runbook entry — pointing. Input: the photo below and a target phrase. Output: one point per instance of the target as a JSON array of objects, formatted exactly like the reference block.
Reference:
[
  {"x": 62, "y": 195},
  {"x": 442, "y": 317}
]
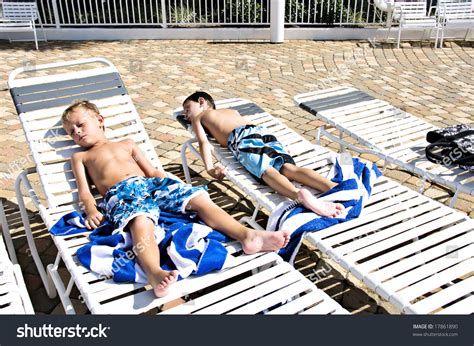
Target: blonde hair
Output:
[{"x": 84, "y": 104}]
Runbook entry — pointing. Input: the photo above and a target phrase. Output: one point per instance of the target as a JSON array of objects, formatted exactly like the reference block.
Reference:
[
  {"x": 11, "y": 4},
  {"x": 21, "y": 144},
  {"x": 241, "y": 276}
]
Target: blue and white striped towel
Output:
[
  {"x": 355, "y": 181},
  {"x": 188, "y": 246}
]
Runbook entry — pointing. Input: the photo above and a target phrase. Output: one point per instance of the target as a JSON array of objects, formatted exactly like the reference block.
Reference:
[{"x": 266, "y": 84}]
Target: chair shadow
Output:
[
  {"x": 310, "y": 263},
  {"x": 223, "y": 193}
]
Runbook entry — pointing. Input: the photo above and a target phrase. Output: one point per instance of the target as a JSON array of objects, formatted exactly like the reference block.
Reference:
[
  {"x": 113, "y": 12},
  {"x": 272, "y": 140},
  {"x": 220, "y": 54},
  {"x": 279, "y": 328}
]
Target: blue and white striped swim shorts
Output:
[
  {"x": 257, "y": 150},
  {"x": 147, "y": 196}
]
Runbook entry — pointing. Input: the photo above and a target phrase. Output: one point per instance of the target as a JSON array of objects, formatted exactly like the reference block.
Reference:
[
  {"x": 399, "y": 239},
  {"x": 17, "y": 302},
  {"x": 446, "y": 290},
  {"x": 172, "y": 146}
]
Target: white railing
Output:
[{"x": 192, "y": 13}]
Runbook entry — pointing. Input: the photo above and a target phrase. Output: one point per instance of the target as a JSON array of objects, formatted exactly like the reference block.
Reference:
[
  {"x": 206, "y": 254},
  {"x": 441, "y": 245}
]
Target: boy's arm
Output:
[
  {"x": 93, "y": 217},
  {"x": 206, "y": 150},
  {"x": 142, "y": 162}
]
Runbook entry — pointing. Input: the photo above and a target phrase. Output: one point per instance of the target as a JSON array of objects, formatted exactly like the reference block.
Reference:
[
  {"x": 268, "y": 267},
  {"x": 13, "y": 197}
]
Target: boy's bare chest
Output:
[{"x": 112, "y": 153}]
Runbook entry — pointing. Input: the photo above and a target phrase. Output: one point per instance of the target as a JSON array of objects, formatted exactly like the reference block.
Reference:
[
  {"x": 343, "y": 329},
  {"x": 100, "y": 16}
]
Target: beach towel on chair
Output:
[
  {"x": 188, "y": 246},
  {"x": 355, "y": 181}
]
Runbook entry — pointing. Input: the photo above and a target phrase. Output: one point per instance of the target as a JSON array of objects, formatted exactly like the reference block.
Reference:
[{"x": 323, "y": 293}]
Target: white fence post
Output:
[
  {"x": 163, "y": 14},
  {"x": 277, "y": 21},
  {"x": 56, "y": 13}
]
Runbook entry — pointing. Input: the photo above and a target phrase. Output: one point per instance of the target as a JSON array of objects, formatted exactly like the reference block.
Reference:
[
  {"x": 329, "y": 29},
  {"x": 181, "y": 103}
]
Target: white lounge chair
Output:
[
  {"x": 14, "y": 298},
  {"x": 386, "y": 131},
  {"x": 455, "y": 14},
  {"x": 412, "y": 253},
  {"x": 413, "y": 15},
  {"x": 20, "y": 17},
  {"x": 275, "y": 287}
]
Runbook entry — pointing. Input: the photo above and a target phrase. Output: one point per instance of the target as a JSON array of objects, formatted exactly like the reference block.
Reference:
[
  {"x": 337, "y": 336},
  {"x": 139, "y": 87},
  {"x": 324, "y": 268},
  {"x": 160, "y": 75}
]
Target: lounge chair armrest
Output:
[
  {"x": 397, "y": 15},
  {"x": 23, "y": 179}
]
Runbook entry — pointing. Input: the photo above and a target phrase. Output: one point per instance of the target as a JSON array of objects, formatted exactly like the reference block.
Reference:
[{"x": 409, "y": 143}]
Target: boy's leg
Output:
[
  {"x": 148, "y": 254},
  {"x": 252, "y": 241},
  {"x": 307, "y": 177},
  {"x": 281, "y": 184}
]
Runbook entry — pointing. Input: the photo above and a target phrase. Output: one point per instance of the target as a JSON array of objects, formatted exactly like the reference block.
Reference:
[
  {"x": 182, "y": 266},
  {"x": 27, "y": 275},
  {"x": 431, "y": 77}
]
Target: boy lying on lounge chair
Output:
[
  {"x": 134, "y": 193},
  {"x": 257, "y": 150}
]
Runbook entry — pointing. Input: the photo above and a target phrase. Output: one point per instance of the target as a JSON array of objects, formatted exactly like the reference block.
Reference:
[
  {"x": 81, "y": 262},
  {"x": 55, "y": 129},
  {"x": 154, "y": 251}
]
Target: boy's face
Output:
[
  {"x": 192, "y": 108},
  {"x": 85, "y": 127}
]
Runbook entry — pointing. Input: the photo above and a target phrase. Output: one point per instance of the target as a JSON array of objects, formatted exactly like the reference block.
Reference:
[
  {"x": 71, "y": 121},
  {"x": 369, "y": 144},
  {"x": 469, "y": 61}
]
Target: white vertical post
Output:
[
  {"x": 277, "y": 21},
  {"x": 56, "y": 13},
  {"x": 163, "y": 14}
]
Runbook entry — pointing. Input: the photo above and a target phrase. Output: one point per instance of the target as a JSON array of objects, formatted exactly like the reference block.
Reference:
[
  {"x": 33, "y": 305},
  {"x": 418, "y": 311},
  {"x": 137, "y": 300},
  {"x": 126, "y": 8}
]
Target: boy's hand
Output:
[
  {"x": 217, "y": 172},
  {"x": 94, "y": 219}
]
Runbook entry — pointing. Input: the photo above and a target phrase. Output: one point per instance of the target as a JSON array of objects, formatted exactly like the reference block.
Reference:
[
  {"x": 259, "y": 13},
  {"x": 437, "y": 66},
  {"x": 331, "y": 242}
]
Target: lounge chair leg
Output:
[
  {"x": 36, "y": 38},
  {"x": 58, "y": 283},
  {"x": 188, "y": 145},
  {"x": 385, "y": 164},
  {"x": 442, "y": 38},
  {"x": 399, "y": 35},
  {"x": 184, "y": 163},
  {"x": 6, "y": 235},
  {"x": 252, "y": 221},
  {"x": 318, "y": 136},
  {"x": 341, "y": 146},
  {"x": 455, "y": 197}
]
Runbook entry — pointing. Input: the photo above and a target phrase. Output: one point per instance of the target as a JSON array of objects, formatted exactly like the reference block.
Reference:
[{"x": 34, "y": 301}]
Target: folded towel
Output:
[
  {"x": 188, "y": 246},
  {"x": 355, "y": 181}
]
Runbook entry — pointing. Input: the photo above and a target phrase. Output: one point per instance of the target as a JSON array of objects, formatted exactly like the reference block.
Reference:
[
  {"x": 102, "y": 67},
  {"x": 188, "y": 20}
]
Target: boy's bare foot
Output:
[
  {"x": 257, "y": 241},
  {"x": 162, "y": 281},
  {"x": 322, "y": 208}
]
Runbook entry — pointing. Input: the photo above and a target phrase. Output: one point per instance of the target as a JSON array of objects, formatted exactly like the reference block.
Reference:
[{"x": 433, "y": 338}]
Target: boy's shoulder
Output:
[
  {"x": 127, "y": 141},
  {"x": 220, "y": 111},
  {"x": 79, "y": 156}
]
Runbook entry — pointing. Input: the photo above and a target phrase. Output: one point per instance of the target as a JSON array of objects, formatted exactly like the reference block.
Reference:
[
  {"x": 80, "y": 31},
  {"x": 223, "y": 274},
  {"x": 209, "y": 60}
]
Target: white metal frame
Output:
[
  {"x": 275, "y": 285},
  {"x": 413, "y": 15},
  {"x": 455, "y": 14},
  {"x": 395, "y": 136},
  {"x": 14, "y": 298},
  {"x": 414, "y": 255},
  {"x": 21, "y": 17}
]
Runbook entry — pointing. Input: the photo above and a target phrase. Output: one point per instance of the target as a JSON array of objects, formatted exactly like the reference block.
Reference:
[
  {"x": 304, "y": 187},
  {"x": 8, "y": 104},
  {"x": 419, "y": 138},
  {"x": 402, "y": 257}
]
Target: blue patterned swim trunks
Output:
[
  {"x": 147, "y": 196},
  {"x": 257, "y": 150}
]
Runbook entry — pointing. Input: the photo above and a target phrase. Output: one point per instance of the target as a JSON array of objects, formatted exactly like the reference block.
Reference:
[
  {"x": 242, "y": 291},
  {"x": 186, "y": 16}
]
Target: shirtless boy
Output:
[
  {"x": 257, "y": 150},
  {"x": 134, "y": 193}
]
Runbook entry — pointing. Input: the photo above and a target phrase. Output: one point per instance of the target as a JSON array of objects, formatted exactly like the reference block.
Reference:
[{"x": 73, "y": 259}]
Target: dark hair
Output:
[{"x": 195, "y": 97}]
